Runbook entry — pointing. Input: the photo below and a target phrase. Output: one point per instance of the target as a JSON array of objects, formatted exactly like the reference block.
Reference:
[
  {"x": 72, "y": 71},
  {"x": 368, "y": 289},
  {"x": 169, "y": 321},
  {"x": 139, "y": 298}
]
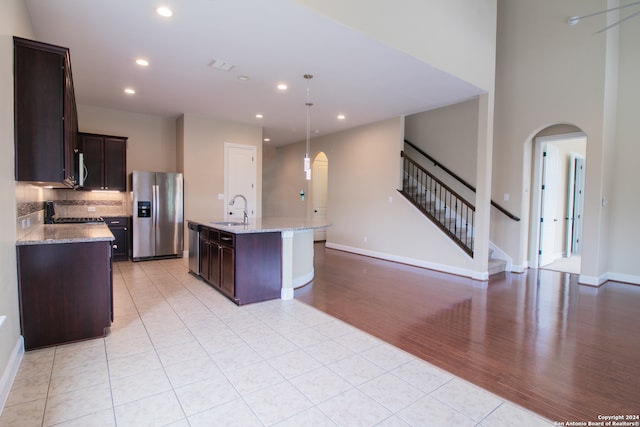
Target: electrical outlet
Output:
[
  {"x": 364, "y": 239},
  {"x": 91, "y": 209}
]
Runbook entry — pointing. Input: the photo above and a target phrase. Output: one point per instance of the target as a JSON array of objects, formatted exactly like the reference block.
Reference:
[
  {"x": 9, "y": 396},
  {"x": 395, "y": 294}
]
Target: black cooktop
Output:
[{"x": 78, "y": 220}]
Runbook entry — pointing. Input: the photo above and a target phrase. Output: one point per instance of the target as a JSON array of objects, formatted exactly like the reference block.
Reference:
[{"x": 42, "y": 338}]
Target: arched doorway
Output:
[
  {"x": 557, "y": 200},
  {"x": 319, "y": 192}
]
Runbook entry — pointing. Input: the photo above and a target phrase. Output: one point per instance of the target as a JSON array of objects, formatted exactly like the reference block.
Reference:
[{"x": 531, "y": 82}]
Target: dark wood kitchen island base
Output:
[
  {"x": 65, "y": 292},
  {"x": 260, "y": 260},
  {"x": 246, "y": 268}
]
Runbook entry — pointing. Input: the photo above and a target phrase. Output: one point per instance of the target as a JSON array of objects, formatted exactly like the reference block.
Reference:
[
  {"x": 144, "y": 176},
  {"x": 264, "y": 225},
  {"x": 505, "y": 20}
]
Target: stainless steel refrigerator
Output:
[{"x": 158, "y": 230}]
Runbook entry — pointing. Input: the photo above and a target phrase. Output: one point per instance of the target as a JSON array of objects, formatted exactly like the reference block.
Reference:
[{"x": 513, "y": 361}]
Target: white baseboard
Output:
[
  {"x": 303, "y": 280},
  {"x": 10, "y": 371},
  {"x": 519, "y": 268},
  {"x": 602, "y": 279},
  {"x": 286, "y": 293},
  {"x": 410, "y": 261},
  {"x": 626, "y": 278}
]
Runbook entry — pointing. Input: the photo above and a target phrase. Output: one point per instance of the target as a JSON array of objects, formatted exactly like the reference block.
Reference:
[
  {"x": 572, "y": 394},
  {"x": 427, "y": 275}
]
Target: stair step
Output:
[{"x": 496, "y": 266}]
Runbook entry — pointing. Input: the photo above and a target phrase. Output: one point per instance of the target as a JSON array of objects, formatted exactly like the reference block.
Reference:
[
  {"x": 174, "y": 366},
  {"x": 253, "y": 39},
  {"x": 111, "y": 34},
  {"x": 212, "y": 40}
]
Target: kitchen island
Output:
[
  {"x": 65, "y": 283},
  {"x": 265, "y": 259}
]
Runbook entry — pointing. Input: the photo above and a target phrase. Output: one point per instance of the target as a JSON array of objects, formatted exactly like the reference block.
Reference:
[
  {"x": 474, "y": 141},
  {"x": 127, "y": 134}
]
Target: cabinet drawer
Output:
[
  {"x": 209, "y": 234},
  {"x": 119, "y": 221},
  {"x": 227, "y": 239}
]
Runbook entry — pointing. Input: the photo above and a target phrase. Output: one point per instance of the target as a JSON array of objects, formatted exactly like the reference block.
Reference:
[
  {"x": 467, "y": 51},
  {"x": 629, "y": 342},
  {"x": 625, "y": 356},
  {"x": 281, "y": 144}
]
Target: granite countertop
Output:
[
  {"x": 66, "y": 233},
  {"x": 265, "y": 225}
]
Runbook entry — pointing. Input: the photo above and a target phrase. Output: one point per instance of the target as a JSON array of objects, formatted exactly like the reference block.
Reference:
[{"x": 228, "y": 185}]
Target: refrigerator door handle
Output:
[
  {"x": 82, "y": 170},
  {"x": 154, "y": 206}
]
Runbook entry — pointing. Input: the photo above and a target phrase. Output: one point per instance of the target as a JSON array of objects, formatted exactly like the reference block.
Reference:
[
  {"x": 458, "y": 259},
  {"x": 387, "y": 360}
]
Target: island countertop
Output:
[
  {"x": 264, "y": 225},
  {"x": 66, "y": 233}
]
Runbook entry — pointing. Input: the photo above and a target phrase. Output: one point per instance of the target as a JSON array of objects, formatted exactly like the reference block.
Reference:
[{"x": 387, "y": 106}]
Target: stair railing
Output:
[
  {"x": 447, "y": 209},
  {"x": 460, "y": 180}
]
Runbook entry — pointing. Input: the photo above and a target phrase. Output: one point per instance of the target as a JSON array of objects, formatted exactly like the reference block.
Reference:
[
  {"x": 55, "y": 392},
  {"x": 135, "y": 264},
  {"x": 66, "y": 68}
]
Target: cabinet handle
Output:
[
  {"x": 115, "y": 222},
  {"x": 226, "y": 238},
  {"x": 115, "y": 246}
]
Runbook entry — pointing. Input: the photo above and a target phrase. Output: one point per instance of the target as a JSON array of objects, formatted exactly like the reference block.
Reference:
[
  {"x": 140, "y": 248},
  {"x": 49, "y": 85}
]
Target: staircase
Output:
[
  {"x": 447, "y": 209},
  {"x": 496, "y": 265}
]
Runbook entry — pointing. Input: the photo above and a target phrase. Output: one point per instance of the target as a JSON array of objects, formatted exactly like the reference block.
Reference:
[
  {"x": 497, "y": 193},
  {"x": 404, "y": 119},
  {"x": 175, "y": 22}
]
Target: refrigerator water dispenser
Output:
[{"x": 144, "y": 209}]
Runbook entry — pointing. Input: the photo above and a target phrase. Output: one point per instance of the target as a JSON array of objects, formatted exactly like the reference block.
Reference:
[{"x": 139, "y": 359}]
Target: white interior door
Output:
[
  {"x": 240, "y": 171},
  {"x": 319, "y": 184},
  {"x": 548, "y": 216},
  {"x": 578, "y": 206}
]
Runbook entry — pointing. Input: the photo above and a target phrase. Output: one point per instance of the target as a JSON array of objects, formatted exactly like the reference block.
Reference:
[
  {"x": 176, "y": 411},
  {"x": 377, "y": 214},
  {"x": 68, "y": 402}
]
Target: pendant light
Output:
[{"x": 307, "y": 158}]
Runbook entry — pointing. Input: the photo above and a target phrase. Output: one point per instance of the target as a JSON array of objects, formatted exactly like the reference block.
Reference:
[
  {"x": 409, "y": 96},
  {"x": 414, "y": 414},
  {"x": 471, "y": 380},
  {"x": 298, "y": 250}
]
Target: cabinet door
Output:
[
  {"x": 92, "y": 148},
  {"x": 205, "y": 256},
  {"x": 119, "y": 227},
  {"x": 120, "y": 244},
  {"x": 65, "y": 292},
  {"x": 115, "y": 166},
  {"x": 214, "y": 265},
  {"x": 39, "y": 111},
  {"x": 227, "y": 271},
  {"x": 70, "y": 126}
]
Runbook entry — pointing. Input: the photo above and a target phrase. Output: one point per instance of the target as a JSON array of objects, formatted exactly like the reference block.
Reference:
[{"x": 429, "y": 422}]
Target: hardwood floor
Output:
[{"x": 563, "y": 350}]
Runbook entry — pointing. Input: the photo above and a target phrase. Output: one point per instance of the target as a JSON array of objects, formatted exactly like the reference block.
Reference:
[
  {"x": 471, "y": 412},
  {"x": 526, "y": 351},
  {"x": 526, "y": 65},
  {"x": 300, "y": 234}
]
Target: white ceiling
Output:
[{"x": 270, "y": 41}]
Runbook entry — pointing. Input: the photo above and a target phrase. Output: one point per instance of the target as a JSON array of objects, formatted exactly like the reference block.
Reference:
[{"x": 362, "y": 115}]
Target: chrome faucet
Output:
[{"x": 244, "y": 211}]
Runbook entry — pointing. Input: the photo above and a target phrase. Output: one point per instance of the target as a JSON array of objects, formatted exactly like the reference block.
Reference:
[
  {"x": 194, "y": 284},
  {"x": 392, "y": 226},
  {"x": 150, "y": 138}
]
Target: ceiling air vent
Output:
[{"x": 221, "y": 65}]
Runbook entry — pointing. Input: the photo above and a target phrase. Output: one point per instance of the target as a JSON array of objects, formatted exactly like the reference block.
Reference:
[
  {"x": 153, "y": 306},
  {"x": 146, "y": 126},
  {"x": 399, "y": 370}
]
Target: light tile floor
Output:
[{"x": 181, "y": 354}]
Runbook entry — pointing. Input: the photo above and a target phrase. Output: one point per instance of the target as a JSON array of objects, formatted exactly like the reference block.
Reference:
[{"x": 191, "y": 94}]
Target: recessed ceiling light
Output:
[
  {"x": 267, "y": 139},
  {"x": 282, "y": 86},
  {"x": 243, "y": 78},
  {"x": 258, "y": 116},
  {"x": 142, "y": 62},
  {"x": 164, "y": 11},
  {"x": 129, "y": 91},
  {"x": 341, "y": 117}
]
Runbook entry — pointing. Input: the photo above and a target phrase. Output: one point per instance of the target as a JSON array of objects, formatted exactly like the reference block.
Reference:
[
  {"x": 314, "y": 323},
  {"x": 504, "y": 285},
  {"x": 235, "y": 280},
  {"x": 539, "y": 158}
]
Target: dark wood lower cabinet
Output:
[
  {"x": 227, "y": 271},
  {"x": 119, "y": 227},
  {"x": 65, "y": 292},
  {"x": 245, "y": 267}
]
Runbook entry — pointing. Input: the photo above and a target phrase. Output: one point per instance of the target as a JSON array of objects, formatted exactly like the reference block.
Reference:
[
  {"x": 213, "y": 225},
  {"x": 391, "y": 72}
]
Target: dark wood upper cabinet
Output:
[
  {"x": 105, "y": 159},
  {"x": 45, "y": 115}
]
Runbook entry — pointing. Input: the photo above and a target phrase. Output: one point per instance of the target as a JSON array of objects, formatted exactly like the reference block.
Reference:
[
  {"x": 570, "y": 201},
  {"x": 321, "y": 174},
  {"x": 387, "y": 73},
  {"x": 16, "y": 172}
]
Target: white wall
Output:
[
  {"x": 447, "y": 34},
  {"x": 152, "y": 139},
  {"x": 363, "y": 201},
  {"x": 456, "y": 36},
  {"x": 449, "y": 135},
  {"x": 202, "y": 140},
  {"x": 547, "y": 73},
  {"x": 624, "y": 197},
  {"x": 13, "y": 21}
]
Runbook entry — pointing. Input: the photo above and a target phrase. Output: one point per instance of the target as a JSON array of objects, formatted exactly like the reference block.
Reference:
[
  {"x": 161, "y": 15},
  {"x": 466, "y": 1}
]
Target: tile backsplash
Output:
[
  {"x": 83, "y": 203},
  {"x": 30, "y": 200}
]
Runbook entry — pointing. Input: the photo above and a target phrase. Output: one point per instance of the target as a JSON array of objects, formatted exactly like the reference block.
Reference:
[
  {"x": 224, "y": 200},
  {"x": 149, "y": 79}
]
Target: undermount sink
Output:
[{"x": 229, "y": 223}]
